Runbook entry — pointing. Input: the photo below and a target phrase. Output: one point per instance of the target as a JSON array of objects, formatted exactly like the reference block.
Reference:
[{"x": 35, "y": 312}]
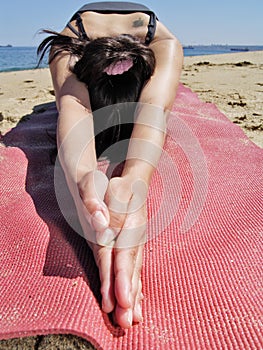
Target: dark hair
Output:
[{"x": 107, "y": 90}]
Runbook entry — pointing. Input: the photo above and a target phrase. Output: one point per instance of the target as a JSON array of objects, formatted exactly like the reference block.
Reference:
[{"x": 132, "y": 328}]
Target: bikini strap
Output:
[
  {"x": 81, "y": 33},
  {"x": 73, "y": 29},
  {"x": 151, "y": 28}
]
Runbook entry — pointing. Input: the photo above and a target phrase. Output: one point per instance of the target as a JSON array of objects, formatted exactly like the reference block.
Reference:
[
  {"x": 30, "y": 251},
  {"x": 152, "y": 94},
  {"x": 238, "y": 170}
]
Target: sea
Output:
[{"x": 21, "y": 58}]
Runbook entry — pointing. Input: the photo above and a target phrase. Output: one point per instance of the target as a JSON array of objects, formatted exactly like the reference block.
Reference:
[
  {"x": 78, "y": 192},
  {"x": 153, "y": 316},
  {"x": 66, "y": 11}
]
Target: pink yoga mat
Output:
[{"x": 202, "y": 273}]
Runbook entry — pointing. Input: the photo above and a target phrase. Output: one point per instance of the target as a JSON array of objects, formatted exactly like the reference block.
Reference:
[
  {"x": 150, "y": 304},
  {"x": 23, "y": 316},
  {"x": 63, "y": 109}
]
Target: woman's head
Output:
[{"x": 115, "y": 69}]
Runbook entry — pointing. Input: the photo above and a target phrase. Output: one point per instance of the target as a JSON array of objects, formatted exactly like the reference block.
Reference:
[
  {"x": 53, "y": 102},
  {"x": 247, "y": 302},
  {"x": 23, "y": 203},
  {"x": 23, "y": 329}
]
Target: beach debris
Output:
[
  {"x": 242, "y": 117},
  {"x": 243, "y": 64},
  {"x": 254, "y": 126},
  {"x": 237, "y": 103},
  {"x": 238, "y": 100},
  {"x": 239, "y": 119},
  {"x": 205, "y": 63},
  {"x": 1, "y": 116}
]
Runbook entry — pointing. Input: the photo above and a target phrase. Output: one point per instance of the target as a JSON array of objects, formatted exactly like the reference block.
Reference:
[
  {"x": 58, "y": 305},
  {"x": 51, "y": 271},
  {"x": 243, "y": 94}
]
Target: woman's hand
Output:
[
  {"x": 116, "y": 211},
  {"x": 92, "y": 188},
  {"x": 125, "y": 199}
]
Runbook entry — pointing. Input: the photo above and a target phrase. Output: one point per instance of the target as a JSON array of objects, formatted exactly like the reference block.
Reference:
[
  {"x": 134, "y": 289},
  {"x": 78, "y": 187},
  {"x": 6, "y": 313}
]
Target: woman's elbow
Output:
[{"x": 177, "y": 52}]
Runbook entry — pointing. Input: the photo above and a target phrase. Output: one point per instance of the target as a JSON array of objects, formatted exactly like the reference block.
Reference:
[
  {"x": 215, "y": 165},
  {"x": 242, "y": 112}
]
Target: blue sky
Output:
[{"x": 193, "y": 22}]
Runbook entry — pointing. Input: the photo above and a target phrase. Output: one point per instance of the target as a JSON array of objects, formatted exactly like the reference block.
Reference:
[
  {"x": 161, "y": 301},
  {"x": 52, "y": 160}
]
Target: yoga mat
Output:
[{"x": 202, "y": 272}]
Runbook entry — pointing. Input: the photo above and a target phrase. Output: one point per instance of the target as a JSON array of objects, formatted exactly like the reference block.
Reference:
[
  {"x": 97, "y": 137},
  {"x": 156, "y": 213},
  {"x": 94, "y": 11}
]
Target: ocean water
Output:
[
  {"x": 199, "y": 50},
  {"x": 18, "y": 58},
  {"x": 21, "y": 58}
]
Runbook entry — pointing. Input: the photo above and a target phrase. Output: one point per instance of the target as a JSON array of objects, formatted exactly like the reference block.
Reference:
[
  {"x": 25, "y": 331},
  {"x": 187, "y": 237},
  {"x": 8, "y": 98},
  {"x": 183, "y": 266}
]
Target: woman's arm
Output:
[
  {"x": 75, "y": 134},
  {"x": 76, "y": 146},
  {"x": 147, "y": 139},
  {"x": 156, "y": 101},
  {"x": 75, "y": 137}
]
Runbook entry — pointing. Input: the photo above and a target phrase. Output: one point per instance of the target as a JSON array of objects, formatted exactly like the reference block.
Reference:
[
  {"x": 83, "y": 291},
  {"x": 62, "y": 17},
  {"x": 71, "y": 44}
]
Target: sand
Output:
[{"x": 234, "y": 82}]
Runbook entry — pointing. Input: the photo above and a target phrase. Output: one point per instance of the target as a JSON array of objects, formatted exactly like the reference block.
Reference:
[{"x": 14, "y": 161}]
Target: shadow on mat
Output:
[{"x": 68, "y": 254}]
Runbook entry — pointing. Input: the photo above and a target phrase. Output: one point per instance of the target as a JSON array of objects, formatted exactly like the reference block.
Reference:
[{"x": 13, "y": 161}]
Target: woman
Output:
[{"x": 111, "y": 53}]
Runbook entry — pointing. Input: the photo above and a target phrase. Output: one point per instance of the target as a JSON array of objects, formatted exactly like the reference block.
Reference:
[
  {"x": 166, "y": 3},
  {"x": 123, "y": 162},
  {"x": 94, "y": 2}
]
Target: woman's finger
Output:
[
  {"x": 128, "y": 252},
  {"x": 124, "y": 263},
  {"x": 137, "y": 287},
  {"x": 104, "y": 260},
  {"x": 128, "y": 287},
  {"x": 117, "y": 199},
  {"x": 92, "y": 188}
]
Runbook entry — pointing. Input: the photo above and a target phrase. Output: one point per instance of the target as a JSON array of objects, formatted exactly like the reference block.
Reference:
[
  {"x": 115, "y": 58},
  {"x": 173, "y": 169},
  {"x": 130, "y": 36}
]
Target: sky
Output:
[{"x": 194, "y": 22}]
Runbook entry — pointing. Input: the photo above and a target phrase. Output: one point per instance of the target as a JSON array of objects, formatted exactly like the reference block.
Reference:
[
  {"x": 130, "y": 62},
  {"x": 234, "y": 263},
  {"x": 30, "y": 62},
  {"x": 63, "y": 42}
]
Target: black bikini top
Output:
[{"x": 113, "y": 7}]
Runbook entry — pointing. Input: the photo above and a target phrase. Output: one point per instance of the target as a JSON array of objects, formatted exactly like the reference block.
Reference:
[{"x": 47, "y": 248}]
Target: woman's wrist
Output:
[
  {"x": 84, "y": 171},
  {"x": 138, "y": 170}
]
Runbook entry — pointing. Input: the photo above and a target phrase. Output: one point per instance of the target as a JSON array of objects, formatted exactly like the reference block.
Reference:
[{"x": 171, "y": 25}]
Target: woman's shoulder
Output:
[
  {"x": 112, "y": 24},
  {"x": 162, "y": 33}
]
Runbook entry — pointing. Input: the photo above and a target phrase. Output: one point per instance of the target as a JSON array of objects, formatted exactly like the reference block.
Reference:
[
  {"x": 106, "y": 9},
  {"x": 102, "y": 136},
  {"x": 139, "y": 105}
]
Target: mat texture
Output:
[{"x": 202, "y": 273}]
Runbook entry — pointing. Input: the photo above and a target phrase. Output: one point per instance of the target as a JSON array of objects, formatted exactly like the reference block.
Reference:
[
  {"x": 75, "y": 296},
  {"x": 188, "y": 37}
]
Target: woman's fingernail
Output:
[
  {"x": 129, "y": 317},
  {"x": 138, "y": 309},
  {"x": 98, "y": 216},
  {"x": 106, "y": 237},
  {"x": 103, "y": 305},
  {"x": 109, "y": 234}
]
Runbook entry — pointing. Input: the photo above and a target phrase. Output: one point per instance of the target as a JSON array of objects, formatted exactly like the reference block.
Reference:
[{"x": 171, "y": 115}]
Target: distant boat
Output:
[
  {"x": 188, "y": 47},
  {"x": 239, "y": 49},
  {"x": 6, "y": 45}
]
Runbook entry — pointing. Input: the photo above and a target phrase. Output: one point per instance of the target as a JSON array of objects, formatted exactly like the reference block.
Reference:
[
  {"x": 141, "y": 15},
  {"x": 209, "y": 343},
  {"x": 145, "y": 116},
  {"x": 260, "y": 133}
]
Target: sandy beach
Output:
[{"x": 233, "y": 82}]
